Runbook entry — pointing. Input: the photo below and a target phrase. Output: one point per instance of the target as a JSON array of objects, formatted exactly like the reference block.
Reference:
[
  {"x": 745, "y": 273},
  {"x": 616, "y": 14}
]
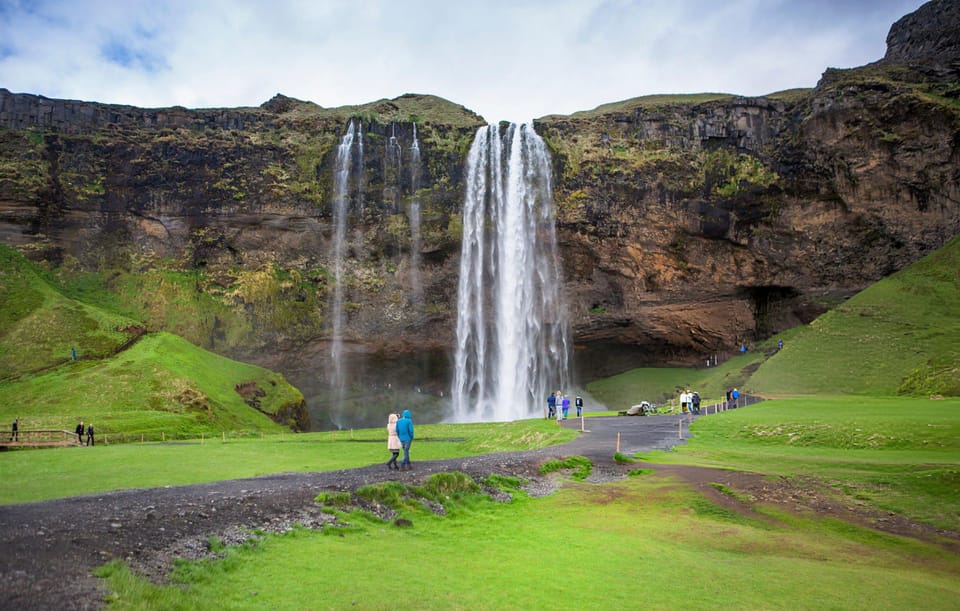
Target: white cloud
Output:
[{"x": 504, "y": 59}]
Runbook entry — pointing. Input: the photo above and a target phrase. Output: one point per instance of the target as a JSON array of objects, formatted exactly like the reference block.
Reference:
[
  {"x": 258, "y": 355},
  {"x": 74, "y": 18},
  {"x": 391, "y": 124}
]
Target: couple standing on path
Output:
[
  {"x": 399, "y": 434},
  {"x": 79, "y": 431}
]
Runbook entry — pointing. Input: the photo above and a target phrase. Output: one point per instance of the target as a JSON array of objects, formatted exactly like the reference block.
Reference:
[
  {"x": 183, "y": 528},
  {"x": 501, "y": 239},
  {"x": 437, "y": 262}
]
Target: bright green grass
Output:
[
  {"x": 897, "y": 454},
  {"x": 34, "y": 475},
  {"x": 660, "y": 384},
  {"x": 39, "y": 326},
  {"x": 161, "y": 384},
  {"x": 906, "y": 324},
  {"x": 639, "y": 544}
]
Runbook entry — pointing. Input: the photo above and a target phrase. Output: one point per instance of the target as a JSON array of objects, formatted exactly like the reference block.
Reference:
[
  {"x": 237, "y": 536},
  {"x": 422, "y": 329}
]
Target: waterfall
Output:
[
  {"x": 512, "y": 332},
  {"x": 393, "y": 170},
  {"x": 341, "y": 204},
  {"x": 361, "y": 175},
  {"x": 416, "y": 284}
]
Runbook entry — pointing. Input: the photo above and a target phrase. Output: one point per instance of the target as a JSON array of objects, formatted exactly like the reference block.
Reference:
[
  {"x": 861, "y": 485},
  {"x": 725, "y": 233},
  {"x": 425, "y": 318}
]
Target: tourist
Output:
[
  {"x": 684, "y": 399},
  {"x": 79, "y": 430},
  {"x": 559, "y": 411},
  {"x": 551, "y": 405},
  {"x": 735, "y": 395},
  {"x": 566, "y": 406},
  {"x": 779, "y": 345},
  {"x": 90, "y": 434},
  {"x": 695, "y": 402},
  {"x": 393, "y": 442},
  {"x": 405, "y": 434},
  {"x": 15, "y": 431},
  {"x": 579, "y": 403}
]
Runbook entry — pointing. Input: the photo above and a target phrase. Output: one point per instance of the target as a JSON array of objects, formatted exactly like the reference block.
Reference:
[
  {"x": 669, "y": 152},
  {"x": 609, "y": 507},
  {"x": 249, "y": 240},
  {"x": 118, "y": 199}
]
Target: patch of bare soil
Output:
[{"x": 800, "y": 495}]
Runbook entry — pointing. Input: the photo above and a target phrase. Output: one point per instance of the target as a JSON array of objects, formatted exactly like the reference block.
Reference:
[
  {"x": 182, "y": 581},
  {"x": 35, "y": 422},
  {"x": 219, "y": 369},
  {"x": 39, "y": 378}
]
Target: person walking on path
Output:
[
  {"x": 405, "y": 434},
  {"x": 90, "y": 435},
  {"x": 579, "y": 403},
  {"x": 566, "y": 406},
  {"x": 15, "y": 430},
  {"x": 393, "y": 442},
  {"x": 695, "y": 402},
  {"x": 551, "y": 405},
  {"x": 735, "y": 395},
  {"x": 79, "y": 430}
]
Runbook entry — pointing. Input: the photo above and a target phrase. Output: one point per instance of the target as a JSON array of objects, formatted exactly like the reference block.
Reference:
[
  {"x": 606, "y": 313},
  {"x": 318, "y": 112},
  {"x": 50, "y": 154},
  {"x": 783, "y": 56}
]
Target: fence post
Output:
[
  {"x": 680, "y": 427},
  {"x": 618, "y": 442},
  {"x": 163, "y": 436},
  {"x": 224, "y": 436}
]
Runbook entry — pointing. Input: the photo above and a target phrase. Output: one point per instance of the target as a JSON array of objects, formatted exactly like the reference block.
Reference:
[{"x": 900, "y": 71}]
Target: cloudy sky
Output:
[{"x": 505, "y": 59}]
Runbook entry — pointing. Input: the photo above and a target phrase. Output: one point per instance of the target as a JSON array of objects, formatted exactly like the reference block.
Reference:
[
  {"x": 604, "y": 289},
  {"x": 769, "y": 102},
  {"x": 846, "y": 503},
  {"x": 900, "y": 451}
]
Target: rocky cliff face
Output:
[{"x": 688, "y": 224}]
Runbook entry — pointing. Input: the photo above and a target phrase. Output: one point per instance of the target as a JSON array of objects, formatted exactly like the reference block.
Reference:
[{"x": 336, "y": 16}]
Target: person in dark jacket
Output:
[
  {"x": 15, "y": 432},
  {"x": 90, "y": 434},
  {"x": 405, "y": 433},
  {"x": 79, "y": 431},
  {"x": 551, "y": 405},
  {"x": 579, "y": 403}
]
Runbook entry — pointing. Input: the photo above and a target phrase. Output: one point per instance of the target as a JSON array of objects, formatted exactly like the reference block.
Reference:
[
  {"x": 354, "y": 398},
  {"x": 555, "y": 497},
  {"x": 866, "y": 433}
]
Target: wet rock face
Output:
[
  {"x": 687, "y": 224},
  {"x": 927, "y": 40}
]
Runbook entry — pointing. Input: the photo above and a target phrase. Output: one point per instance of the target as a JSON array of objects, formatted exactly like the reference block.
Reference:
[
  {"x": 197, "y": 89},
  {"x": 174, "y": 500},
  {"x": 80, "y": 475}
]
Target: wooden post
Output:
[
  {"x": 618, "y": 443},
  {"x": 680, "y": 427},
  {"x": 163, "y": 436},
  {"x": 581, "y": 422},
  {"x": 141, "y": 437},
  {"x": 224, "y": 436}
]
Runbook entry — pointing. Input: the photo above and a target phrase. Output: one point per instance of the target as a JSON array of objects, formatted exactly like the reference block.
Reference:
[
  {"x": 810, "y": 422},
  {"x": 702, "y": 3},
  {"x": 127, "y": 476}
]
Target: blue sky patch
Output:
[{"x": 128, "y": 56}]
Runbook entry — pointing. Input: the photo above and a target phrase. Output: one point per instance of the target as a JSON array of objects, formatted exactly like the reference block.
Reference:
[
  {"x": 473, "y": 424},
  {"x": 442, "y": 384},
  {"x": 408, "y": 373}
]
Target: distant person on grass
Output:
[
  {"x": 579, "y": 403},
  {"x": 79, "y": 430},
  {"x": 393, "y": 442},
  {"x": 15, "y": 430},
  {"x": 405, "y": 434},
  {"x": 90, "y": 434}
]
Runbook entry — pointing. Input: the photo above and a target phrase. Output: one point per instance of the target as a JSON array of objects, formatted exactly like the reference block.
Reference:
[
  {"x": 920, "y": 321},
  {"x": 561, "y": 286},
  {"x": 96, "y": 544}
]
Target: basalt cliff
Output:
[{"x": 688, "y": 225}]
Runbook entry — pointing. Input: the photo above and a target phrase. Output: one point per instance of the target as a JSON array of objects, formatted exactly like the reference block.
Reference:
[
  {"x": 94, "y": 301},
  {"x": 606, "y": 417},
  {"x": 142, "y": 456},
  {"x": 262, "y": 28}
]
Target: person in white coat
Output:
[{"x": 393, "y": 442}]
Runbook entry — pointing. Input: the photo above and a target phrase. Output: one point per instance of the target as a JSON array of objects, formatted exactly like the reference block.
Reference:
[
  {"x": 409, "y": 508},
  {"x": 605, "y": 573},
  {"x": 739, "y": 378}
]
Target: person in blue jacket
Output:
[{"x": 405, "y": 433}]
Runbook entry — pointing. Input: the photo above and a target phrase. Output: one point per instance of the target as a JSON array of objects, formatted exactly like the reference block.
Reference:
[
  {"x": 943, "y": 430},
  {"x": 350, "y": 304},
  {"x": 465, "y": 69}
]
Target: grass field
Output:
[
  {"x": 35, "y": 475},
  {"x": 644, "y": 542}
]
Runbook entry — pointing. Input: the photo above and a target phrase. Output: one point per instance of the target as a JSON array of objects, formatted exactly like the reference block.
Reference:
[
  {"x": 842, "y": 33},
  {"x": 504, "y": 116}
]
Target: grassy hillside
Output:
[
  {"x": 39, "y": 327},
  {"x": 899, "y": 336},
  {"x": 162, "y": 384},
  {"x": 123, "y": 381}
]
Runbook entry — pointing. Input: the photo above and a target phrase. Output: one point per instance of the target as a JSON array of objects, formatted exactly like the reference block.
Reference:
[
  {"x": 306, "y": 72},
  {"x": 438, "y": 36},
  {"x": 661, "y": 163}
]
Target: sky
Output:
[{"x": 504, "y": 59}]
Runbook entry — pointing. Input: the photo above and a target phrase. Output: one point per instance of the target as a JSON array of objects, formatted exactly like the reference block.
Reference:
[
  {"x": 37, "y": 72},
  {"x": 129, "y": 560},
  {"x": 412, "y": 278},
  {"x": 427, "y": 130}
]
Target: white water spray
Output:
[
  {"x": 512, "y": 331},
  {"x": 416, "y": 284},
  {"x": 341, "y": 204}
]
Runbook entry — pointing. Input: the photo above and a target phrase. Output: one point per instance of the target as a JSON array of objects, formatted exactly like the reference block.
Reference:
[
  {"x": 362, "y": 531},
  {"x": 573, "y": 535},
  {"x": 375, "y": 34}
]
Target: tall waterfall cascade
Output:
[
  {"x": 341, "y": 205},
  {"x": 513, "y": 341},
  {"x": 416, "y": 283}
]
